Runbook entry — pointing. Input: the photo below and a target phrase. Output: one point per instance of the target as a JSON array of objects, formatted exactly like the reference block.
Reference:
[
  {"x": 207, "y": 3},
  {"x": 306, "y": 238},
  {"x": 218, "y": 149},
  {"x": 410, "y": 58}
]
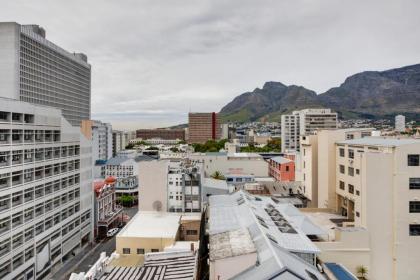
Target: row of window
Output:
[
  {"x": 140, "y": 251},
  {"x": 350, "y": 170}
]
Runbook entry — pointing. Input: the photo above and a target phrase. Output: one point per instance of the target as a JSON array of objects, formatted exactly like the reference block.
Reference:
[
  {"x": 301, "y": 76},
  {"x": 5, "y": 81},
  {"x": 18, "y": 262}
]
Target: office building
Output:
[
  {"x": 304, "y": 122},
  {"x": 45, "y": 190},
  {"x": 400, "y": 123},
  {"x": 203, "y": 127},
  {"x": 37, "y": 71},
  {"x": 165, "y": 134}
]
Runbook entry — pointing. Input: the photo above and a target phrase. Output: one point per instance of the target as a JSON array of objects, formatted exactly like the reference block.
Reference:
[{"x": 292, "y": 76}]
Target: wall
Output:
[
  {"x": 229, "y": 267},
  {"x": 9, "y": 57},
  {"x": 142, "y": 243},
  {"x": 153, "y": 184}
]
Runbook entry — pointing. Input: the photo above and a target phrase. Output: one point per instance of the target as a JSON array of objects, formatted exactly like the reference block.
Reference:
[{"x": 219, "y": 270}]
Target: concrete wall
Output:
[
  {"x": 153, "y": 182},
  {"x": 9, "y": 57},
  {"x": 147, "y": 244}
]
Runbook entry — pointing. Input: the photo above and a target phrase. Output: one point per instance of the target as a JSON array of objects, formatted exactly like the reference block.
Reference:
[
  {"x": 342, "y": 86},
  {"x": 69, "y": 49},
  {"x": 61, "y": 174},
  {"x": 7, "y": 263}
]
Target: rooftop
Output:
[
  {"x": 165, "y": 265},
  {"x": 381, "y": 141},
  {"x": 230, "y": 244},
  {"x": 278, "y": 231},
  {"x": 159, "y": 224},
  {"x": 281, "y": 160}
]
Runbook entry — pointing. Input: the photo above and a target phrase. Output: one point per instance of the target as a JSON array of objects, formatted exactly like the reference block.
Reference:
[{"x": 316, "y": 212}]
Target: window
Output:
[
  {"x": 351, "y": 189},
  {"x": 415, "y": 230},
  {"x": 192, "y": 232},
  {"x": 342, "y": 185},
  {"x": 342, "y": 169},
  {"x": 414, "y": 183},
  {"x": 414, "y": 206},
  {"x": 155, "y": 250},
  {"x": 357, "y": 171},
  {"x": 351, "y": 171},
  {"x": 140, "y": 251},
  {"x": 358, "y": 193},
  {"x": 413, "y": 160},
  {"x": 287, "y": 168},
  {"x": 126, "y": 250},
  {"x": 357, "y": 214},
  {"x": 351, "y": 153},
  {"x": 341, "y": 152}
]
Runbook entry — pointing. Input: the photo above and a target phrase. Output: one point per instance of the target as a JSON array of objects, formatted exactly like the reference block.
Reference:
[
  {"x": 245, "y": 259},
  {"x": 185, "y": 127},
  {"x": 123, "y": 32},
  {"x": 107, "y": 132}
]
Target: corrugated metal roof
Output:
[{"x": 381, "y": 141}]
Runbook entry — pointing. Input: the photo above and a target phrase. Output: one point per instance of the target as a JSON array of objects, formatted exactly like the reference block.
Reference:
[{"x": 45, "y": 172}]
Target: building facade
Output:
[
  {"x": 45, "y": 190},
  {"x": 400, "y": 123},
  {"x": 281, "y": 169},
  {"x": 304, "y": 122},
  {"x": 203, "y": 127},
  {"x": 165, "y": 134},
  {"x": 377, "y": 187},
  {"x": 119, "y": 141},
  {"x": 37, "y": 71}
]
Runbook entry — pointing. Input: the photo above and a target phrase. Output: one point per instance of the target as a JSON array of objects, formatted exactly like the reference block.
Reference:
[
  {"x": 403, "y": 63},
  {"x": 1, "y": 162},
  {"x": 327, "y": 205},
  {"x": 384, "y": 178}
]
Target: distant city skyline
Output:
[{"x": 153, "y": 62}]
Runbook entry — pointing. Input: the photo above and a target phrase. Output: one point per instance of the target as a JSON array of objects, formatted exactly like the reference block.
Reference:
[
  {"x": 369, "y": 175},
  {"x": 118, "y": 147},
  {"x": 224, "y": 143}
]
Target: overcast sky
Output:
[{"x": 154, "y": 61}]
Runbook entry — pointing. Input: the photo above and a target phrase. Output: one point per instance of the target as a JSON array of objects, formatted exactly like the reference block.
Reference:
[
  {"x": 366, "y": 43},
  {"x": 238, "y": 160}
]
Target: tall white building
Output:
[
  {"x": 101, "y": 136},
  {"x": 45, "y": 190},
  {"x": 304, "y": 122},
  {"x": 400, "y": 123},
  {"x": 37, "y": 71}
]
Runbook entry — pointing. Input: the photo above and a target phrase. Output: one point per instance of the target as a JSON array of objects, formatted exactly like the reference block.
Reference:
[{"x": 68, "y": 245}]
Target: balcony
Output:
[{"x": 107, "y": 220}]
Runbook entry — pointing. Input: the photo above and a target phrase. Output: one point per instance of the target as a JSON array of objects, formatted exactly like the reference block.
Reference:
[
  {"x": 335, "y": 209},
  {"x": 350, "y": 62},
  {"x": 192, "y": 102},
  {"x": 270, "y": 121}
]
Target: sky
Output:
[{"x": 153, "y": 61}]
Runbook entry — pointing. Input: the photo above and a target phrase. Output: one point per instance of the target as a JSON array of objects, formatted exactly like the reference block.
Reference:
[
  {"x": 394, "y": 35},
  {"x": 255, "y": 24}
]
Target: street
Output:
[{"x": 85, "y": 259}]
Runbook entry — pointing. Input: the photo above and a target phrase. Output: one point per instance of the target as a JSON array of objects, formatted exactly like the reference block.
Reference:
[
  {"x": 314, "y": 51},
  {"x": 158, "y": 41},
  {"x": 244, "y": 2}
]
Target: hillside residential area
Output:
[{"x": 139, "y": 158}]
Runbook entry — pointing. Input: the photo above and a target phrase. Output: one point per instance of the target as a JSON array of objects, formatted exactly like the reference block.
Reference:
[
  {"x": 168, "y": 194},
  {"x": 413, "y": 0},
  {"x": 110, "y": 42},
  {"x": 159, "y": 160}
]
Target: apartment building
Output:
[
  {"x": 125, "y": 164},
  {"x": 318, "y": 163},
  {"x": 400, "y": 123},
  {"x": 377, "y": 187},
  {"x": 172, "y": 186},
  {"x": 45, "y": 190},
  {"x": 37, "y": 71},
  {"x": 120, "y": 140},
  {"x": 165, "y": 134},
  {"x": 304, "y": 122},
  {"x": 203, "y": 127},
  {"x": 101, "y": 136}
]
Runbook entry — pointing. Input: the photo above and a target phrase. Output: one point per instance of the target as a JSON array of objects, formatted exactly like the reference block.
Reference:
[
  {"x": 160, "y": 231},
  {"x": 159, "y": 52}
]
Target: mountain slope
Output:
[{"x": 370, "y": 94}]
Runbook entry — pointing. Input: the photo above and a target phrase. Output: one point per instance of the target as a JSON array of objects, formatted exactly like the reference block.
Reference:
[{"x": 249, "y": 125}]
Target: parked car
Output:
[{"x": 112, "y": 232}]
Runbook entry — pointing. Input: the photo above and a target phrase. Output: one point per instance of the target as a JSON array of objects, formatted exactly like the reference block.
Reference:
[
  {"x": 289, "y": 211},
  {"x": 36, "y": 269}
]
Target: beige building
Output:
[
  {"x": 151, "y": 231},
  {"x": 318, "y": 161},
  {"x": 153, "y": 190}
]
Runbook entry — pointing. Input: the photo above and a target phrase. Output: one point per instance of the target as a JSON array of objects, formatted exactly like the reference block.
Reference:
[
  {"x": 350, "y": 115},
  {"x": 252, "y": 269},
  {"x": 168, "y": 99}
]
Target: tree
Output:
[
  {"x": 210, "y": 146},
  {"x": 362, "y": 271},
  {"x": 174, "y": 150},
  {"x": 126, "y": 200},
  {"x": 129, "y": 146},
  {"x": 152, "y": 148},
  {"x": 218, "y": 175}
]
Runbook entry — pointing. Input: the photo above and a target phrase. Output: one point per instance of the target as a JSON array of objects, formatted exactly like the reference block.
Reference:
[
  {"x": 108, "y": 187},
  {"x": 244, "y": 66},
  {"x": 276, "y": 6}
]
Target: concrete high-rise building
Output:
[
  {"x": 400, "y": 123},
  {"x": 377, "y": 187},
  {"x": 45, "y": 190},
  {"x": 203, "y": 127},
  {"x": 167, "y": 134},
  {"x": 37, "y": 71},
  {"x": 304, "y": 122}
]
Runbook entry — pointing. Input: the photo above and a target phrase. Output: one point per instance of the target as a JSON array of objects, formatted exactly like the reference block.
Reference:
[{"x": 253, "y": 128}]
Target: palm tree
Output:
[
  {"x": 362, "y": 271},
  {"x": 218, "y": 175}
]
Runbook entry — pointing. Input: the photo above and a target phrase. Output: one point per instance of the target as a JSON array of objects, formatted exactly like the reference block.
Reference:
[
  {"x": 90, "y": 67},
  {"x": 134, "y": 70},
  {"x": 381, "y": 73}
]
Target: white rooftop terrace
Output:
[{"x": 150, "y": 224}]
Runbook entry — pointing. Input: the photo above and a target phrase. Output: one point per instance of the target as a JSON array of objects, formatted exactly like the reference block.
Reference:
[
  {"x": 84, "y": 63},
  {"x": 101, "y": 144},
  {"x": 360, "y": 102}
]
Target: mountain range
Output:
[{"x": 369, "y": 94}]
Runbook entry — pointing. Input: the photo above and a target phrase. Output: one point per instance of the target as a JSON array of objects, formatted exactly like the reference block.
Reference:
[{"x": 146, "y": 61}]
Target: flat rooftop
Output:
[
  {"x": 150, "y": 224},
  {"x": 381, "y": 141}
]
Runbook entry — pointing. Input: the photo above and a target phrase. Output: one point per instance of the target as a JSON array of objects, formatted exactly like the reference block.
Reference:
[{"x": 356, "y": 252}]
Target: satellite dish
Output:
[{"x": 157, "y": 205}]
